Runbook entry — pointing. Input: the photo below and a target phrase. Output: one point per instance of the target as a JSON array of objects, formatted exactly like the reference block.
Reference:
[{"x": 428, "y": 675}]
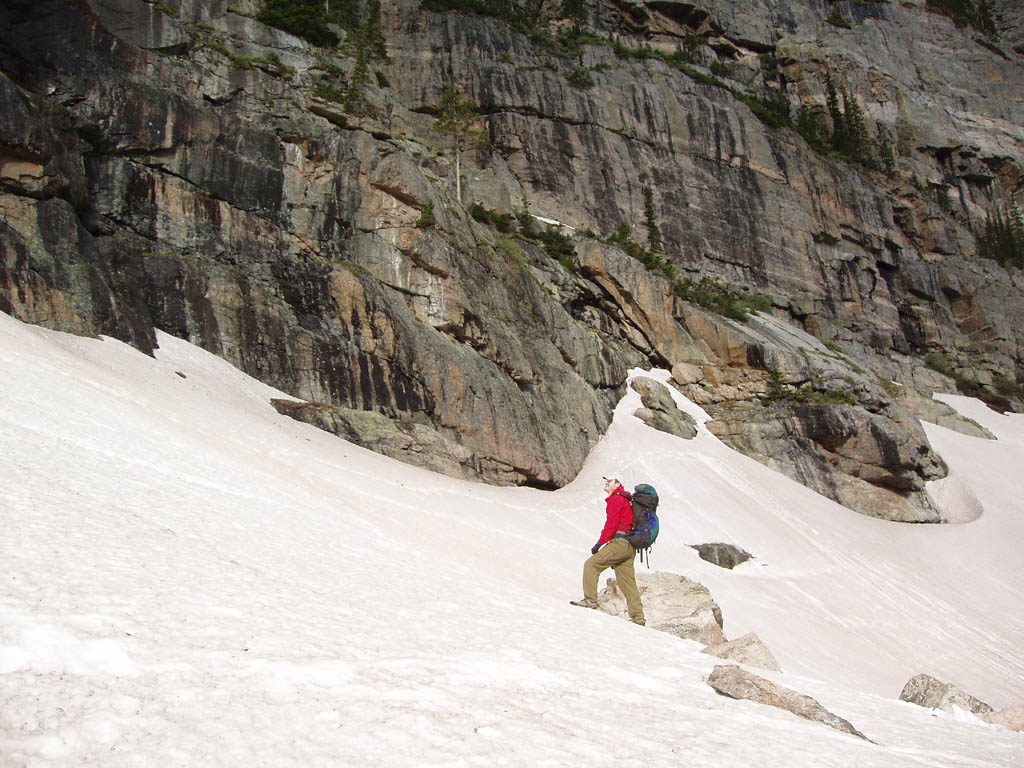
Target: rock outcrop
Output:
[
  {"x": 736, "y": 683},
  {"x": 183, "y": 166},
  {"x": 926, "y": 691},
  {"x": 781, "y": 396},
  {"x": 660, "y": 411},
  {"x": 672, "y": 604},
  {"x": 685, "y": 608}
]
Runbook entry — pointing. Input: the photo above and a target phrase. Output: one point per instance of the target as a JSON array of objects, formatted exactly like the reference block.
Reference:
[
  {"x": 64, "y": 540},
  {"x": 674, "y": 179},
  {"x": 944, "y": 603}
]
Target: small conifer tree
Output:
[
  {"x": 850, "y": 135},
  {"x": 576, "y": 11},
  {"x": 653, "y": 233},
  {"x": 459, "y": 122},
  {"x": 1002, "y": 237},
  {"x": 807, "y": 126}
]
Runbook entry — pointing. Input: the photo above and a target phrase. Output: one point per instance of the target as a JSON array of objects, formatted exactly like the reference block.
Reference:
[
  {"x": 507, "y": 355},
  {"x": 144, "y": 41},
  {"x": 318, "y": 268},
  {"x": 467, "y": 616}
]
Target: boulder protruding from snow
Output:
[
  {"x": 672, "y": 604},
  {"x": 1012, "y": 718},
  {"x": 723, "y": 555},
  {"x": 660, "y": 410},
  {"x": 748, "y": 649},
  {"x": 926, "y": 691},
  {"x": 737, "y": 683}
]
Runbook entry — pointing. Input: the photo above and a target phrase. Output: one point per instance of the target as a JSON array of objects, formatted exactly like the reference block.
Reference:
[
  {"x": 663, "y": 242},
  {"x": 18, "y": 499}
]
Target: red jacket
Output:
[{"x": 619, "y": 514}]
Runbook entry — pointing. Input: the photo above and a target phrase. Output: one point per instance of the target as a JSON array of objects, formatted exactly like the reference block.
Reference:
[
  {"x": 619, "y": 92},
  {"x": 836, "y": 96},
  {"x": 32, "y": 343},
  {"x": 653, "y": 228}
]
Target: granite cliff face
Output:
[{"x": 181, "y": 165}]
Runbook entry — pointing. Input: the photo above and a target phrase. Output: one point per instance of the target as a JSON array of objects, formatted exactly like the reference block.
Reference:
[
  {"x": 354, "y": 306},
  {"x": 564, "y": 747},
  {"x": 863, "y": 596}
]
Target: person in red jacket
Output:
[{"x": 613, "y": 550}]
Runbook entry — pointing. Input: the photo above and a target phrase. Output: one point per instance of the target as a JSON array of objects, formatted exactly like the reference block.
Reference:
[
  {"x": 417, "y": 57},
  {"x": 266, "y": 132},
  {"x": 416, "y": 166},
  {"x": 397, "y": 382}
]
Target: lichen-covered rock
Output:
[
  {"x": 926, "y": 691},
  {"x": 54, "y": 271}
]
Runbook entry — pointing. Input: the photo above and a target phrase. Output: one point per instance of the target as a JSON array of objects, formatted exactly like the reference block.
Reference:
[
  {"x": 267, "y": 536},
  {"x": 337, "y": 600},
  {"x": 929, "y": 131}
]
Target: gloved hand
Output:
[{"x": 593, "y": 549}]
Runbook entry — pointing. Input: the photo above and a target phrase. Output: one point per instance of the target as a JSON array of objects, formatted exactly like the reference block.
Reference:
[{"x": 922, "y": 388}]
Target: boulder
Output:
[
  {"x": 660, "y": 410},
  {"x": 687, "y": 373},
  {"x": 748, "y": 649},
  {"x": 735, "y": 682},
  {"x": 876, "y": 464},
  {"x": 672, "y": 604},
  {"x": 789, "y": 401},
  {"x": 722, "y": 555},
  {"x": 926, "y": 691},
  {"x": 1012, "y": 718}
]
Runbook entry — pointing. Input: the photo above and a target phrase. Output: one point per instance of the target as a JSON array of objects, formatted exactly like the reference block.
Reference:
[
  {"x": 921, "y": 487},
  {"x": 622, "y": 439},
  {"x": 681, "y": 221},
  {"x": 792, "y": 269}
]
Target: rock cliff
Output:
[{"x": 292, "y": 206}]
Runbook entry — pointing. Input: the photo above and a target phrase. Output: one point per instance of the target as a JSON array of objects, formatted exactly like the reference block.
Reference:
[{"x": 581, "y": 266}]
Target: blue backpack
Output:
[{"x": 645, "y": 519}]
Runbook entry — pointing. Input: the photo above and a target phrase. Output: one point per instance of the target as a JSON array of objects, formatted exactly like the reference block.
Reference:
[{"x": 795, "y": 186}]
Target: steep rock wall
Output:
[{"x": 187, "y": 167}]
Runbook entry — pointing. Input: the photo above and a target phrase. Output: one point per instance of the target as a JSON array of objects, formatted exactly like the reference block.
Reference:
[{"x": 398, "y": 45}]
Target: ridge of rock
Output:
[{"x": 183, "y": 166}]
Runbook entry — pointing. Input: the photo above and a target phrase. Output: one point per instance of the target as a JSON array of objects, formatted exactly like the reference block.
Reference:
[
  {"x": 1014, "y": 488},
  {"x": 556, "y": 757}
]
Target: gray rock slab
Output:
[
  {"x": 748, "y": 649},
  {"x": 735, "y": 682}
]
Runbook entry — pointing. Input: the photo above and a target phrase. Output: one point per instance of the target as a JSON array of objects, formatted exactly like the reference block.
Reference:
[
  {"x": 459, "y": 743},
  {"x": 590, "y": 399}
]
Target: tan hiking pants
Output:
[{"x": 617, "y": 554}]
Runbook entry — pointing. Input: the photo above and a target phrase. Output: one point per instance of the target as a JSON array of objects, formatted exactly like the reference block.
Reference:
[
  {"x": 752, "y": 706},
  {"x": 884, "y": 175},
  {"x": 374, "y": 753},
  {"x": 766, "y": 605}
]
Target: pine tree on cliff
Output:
[
  {"x": 575, "y": 11},
  {"x": 1002, "y": 237},
  {"x": 850, "y": 135},
  {"x": 458, "y": 122}
]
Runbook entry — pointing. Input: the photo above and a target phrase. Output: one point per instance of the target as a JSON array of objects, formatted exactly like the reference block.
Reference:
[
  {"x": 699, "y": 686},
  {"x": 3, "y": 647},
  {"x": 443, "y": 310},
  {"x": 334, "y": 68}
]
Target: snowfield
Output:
[{"x": 188, "y": 578}]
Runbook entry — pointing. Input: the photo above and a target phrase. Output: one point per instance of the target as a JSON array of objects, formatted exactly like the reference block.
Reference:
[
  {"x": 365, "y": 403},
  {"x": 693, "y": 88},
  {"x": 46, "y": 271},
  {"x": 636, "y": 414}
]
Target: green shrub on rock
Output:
[{"x": 303, "y": 18}]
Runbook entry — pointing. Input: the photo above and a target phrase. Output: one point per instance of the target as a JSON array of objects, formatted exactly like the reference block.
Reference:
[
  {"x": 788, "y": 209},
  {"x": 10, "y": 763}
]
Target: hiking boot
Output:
[{"x": 583, "y": 603}]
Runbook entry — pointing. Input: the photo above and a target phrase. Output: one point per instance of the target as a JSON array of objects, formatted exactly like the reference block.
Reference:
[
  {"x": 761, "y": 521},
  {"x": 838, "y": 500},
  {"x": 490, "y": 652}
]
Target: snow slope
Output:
[{"x": 189, "y": 578}]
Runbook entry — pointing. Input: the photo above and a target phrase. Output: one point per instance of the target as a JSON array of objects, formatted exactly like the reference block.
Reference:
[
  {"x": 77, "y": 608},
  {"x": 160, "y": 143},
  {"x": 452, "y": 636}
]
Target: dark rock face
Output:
[
  {"x": 182, "y": 166},
  {"x": 53, "y": 270},
  {"x": 263, "y": 242}
]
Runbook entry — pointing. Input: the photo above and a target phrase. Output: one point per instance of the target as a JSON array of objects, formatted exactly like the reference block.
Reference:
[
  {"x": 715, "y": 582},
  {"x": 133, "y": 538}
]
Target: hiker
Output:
[{"x": 614, "y": 551}]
